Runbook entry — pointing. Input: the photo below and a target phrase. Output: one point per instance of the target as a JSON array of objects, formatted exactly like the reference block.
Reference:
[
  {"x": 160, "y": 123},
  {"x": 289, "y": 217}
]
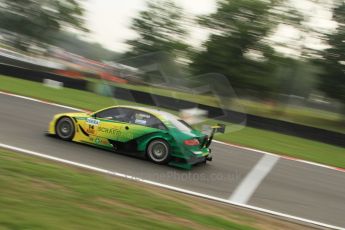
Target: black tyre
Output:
[
  {"x": 158, "y": 151},
  {"x": 64, "y": 129}
]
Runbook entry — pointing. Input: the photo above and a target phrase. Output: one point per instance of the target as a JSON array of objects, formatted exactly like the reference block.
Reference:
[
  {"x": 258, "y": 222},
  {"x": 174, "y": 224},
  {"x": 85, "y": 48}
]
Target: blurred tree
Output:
[
  {"x": 332, "y": 79},
  {"x": 72, "y": 43},
  {"x": 237, "y": 47},
  {"x": 234, "y": 47},
  {"x": 35, "y": 20},
  {"x": 159, "y": 28}
]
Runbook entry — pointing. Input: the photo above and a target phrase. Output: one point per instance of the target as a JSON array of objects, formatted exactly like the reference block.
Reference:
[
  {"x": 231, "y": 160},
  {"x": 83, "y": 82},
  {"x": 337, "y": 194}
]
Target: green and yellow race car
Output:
[{"x": 160, "y": 136}]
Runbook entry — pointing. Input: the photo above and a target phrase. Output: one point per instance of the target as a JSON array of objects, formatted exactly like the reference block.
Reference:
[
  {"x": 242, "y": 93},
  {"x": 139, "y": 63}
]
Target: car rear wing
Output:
[{"x": 219, "y": 128}]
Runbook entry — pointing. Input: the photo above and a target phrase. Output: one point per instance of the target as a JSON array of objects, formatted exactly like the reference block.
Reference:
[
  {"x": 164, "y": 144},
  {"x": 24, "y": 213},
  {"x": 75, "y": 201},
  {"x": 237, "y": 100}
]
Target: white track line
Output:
[
  {"x": 281, "y": 156},
  {"x": 42, "y": 101},
  {"x": 173, "y": 188},
  {"x": 251, "y": 182}
]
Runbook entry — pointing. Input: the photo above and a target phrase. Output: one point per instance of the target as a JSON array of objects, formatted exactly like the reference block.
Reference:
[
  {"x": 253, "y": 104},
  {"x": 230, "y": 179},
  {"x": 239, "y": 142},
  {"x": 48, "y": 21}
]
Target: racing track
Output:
[{"x": 244, "y": 176}]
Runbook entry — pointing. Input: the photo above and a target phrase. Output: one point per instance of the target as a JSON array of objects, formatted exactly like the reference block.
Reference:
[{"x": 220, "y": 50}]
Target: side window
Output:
[
  {"x": 116, "y": 114},
  {"x": 142, "y": 118}
]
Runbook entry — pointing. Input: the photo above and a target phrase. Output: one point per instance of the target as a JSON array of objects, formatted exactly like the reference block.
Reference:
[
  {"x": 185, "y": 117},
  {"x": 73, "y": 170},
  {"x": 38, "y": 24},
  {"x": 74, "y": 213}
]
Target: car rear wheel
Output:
[
  {"x": 158, "y": 151},
  {"x": 65, "y": 128}
]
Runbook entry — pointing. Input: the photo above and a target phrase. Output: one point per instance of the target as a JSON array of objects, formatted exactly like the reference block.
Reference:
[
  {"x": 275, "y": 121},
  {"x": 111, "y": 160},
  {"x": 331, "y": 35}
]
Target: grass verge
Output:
[
  {"x": 247, "y": 136},
  {"x": 38, "y": 194}
]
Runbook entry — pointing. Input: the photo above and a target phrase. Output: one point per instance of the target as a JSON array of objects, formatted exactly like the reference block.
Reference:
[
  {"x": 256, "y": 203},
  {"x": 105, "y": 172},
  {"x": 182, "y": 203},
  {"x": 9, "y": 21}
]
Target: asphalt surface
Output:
[{"x": 291, "y": 187}]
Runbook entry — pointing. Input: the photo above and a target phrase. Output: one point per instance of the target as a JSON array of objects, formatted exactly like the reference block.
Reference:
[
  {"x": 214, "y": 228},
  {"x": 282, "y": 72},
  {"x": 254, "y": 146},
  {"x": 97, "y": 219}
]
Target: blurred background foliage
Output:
[
  {"x": 332, "y": 79},
  {"x": 36, "y": 20}
]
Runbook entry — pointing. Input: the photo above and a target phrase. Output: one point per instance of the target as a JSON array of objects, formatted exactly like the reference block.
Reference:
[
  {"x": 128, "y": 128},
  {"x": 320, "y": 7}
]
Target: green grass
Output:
[
  {"x": 296, "y": 114},
  {"x": 38, "y": 194},
  {"x": 251, "y": 137}
]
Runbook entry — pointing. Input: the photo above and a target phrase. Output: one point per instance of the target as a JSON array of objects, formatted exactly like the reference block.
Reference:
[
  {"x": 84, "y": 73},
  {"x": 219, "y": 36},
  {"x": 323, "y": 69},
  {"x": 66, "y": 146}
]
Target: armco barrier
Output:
[
  {"x": 279, "y": 126},
  {"x": 39, "y": 76}
]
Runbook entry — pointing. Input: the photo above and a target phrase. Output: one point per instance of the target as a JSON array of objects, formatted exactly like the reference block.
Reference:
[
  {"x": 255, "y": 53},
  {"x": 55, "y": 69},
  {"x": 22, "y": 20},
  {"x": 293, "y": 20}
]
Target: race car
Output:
[{"x": 160, "y": 136}]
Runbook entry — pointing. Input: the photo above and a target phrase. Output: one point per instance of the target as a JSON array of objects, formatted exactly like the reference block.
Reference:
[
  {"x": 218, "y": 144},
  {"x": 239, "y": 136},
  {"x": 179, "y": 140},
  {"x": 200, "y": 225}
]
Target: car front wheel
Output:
[
  {"x": 65, "y": 129},
  {"x": 158, "y": 151}
]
